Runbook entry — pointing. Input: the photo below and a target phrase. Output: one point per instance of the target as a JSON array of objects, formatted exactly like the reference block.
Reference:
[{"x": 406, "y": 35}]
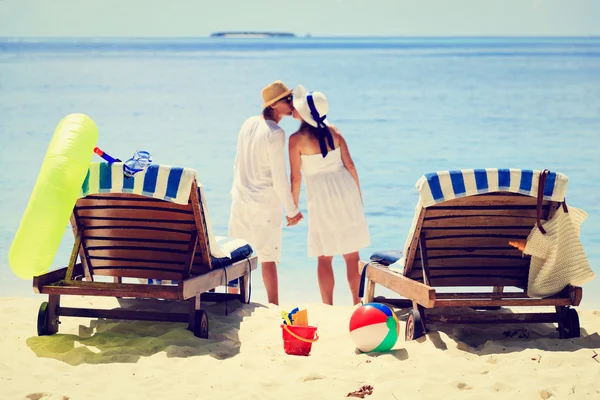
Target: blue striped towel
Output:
[
  {"x": 158, "y": 181},
  {"x": 442, "y": 186},
  {"x": 162, "y": 182}
]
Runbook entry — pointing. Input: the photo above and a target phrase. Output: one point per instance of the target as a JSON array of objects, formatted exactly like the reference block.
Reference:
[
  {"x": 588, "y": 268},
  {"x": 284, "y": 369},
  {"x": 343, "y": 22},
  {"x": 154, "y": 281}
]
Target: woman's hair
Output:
[
  {"x": 268, "y": 112},
  {"x": 311, "y": 130}
]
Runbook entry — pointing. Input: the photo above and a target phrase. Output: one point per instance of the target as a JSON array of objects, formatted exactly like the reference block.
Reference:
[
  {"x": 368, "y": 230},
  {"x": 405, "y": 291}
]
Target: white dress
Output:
[{"x": 336, "y": 218}]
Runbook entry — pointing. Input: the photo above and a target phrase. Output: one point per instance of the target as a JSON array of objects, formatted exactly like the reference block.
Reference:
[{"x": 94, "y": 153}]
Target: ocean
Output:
[{"x": 406, "y": 106}]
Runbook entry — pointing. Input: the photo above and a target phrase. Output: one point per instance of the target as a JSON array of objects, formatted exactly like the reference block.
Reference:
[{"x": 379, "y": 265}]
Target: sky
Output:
[{"x": 184, "y": 18}]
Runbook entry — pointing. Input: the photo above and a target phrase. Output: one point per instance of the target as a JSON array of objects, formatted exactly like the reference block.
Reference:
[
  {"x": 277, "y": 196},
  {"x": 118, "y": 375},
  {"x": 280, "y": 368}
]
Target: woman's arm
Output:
[
  {"x": 295, "y": 171},
  {"x": 347, "y": 160}
]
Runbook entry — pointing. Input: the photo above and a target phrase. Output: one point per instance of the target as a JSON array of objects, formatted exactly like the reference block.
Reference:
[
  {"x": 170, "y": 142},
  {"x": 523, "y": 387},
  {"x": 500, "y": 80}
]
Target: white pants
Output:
[{"x": 260, "y": 226}]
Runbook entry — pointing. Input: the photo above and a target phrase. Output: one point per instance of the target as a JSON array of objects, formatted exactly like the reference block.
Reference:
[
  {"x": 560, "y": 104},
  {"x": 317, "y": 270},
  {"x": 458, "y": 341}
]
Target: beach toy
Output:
[
  {"x": 286, "y": 318},
  {"x": 374, "y": 327},
  {"x": 137, "y": 163},
  {"x": 300, "y": 318},
  {"x": 291, "y": 313},
  {"x": 105, "y": 156},
  {"x": 53, "y": 197},
  {"x": 298, "y": 340},
  {"x": 298, "y": 336}
]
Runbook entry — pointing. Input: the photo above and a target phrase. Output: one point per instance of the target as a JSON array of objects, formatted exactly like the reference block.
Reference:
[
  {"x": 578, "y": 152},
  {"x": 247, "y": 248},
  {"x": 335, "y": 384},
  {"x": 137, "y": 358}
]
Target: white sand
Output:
[{"x": 244, "y": 359}]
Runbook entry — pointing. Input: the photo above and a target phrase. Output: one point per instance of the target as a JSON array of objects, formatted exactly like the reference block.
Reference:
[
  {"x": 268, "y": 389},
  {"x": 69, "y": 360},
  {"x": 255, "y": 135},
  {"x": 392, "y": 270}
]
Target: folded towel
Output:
[{"x": 387, "y": 257}]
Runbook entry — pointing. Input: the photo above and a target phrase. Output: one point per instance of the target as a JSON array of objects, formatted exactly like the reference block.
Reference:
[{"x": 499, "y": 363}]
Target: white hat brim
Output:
[{"x": 301, "y": 105}]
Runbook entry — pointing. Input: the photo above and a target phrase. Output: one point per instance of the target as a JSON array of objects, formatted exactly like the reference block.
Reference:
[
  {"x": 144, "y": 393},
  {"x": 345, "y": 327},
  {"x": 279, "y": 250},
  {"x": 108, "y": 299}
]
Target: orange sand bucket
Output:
[{"x": 298, "y": 340}]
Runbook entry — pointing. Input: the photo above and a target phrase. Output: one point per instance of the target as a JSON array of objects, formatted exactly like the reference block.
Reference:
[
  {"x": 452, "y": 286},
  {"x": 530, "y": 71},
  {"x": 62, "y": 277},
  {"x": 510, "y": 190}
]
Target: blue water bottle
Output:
[{"x": 139, "y": 162}]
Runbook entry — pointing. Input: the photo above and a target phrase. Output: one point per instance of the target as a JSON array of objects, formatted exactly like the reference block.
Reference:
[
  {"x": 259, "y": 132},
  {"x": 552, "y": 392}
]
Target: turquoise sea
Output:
[{"x": 407, "y": 106}]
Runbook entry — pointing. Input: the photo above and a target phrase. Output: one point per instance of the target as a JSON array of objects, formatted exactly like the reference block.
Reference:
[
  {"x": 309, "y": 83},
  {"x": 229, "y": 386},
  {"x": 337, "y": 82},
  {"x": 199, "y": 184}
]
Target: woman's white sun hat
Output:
[{"x": 311, "y": 106}]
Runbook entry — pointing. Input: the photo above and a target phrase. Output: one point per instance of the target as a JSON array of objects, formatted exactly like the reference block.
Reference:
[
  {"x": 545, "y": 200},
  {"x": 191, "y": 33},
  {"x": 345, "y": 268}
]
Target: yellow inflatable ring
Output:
[{"x": 54, "y": 195}]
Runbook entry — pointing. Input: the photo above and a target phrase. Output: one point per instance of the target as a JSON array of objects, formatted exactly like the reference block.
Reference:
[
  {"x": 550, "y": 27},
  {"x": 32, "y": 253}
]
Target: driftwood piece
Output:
[{"x": 362, "y": 392}]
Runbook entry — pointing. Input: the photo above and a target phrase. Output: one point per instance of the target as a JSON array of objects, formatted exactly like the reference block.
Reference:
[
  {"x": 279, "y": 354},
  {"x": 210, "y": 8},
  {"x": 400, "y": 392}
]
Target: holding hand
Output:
[{"x": 295, "y": 219}]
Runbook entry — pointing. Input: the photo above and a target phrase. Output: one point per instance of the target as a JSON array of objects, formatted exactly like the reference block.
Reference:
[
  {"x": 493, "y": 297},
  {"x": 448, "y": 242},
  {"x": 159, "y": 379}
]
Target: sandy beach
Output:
[{"x": 244, "y": 358}]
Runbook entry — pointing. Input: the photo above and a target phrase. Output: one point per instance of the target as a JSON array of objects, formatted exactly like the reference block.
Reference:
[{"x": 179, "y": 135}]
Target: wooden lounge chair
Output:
[
  {"x": 459, "y": 238},
  {"x": 153, "y": 227}
]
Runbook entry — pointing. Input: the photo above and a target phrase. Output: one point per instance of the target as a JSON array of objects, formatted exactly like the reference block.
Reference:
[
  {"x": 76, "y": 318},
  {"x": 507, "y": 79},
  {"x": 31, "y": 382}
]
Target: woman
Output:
[{"x": 336, "y": 219}]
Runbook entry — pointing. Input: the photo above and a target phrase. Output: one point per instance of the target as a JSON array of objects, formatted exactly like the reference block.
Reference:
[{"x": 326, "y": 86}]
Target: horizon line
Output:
[{"x": 305, "y": 36}]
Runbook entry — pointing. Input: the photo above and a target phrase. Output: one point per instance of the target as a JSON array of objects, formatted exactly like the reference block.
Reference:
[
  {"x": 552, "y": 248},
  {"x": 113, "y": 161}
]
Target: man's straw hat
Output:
[{"x": 274, "y": 92}]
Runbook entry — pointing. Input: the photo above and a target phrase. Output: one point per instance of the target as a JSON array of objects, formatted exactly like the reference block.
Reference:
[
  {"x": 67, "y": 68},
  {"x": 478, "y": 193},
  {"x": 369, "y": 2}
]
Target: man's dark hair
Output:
[{"x": 268, "y": 112}]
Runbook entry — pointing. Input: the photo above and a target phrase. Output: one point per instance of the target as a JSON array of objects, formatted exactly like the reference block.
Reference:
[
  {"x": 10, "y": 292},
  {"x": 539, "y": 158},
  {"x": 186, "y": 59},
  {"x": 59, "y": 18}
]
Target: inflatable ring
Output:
[{"x": 56, "y": 190}]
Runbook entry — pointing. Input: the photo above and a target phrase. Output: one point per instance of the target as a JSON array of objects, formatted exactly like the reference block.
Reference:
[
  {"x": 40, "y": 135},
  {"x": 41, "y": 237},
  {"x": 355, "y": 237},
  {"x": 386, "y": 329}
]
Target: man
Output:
[{"x": 260, "y": 184}]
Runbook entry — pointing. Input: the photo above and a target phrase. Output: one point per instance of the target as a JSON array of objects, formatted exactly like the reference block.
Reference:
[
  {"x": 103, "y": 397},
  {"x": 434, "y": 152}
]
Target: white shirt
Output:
[{"x": 259, "y": 172}]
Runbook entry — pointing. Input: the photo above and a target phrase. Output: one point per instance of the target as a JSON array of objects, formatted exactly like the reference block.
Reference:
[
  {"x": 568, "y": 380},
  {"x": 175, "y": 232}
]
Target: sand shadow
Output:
[
  {"x": 400, "y": 354},
  {"x": 106, "y": 341},
  {"x": 488, "y": 339}
]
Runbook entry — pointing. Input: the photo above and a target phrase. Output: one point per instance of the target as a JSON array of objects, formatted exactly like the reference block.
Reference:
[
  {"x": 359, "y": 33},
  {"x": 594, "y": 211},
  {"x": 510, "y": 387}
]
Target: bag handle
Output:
[{"x": 540, "y": 199}]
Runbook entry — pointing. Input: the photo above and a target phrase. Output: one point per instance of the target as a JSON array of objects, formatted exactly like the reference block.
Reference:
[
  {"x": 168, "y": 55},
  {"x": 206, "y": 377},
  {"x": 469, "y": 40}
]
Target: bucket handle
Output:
[{"x": 299, "y": 337}]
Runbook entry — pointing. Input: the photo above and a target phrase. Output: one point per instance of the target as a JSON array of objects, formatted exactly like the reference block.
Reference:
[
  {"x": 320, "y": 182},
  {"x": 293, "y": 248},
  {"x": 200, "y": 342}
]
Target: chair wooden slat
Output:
[
  {"x": 437, "y": 272},
  {"x": 476, "y": 281},
  {"x": 511, "y": 211},
  {"x": 140, "y": 253},
  {"x": 470, "y": 241},
  {"x": 133, "y": 243},
  {"x": 478, "y": 220},
  {"x": 145, "y": 272},
  {"x": 490, "y": 200},
  {"x": 481, "y": 251},
  {"x": 477, "y": 261},
  {"x": 118, "y": 214},
  {"x": 149, "y": 234}
]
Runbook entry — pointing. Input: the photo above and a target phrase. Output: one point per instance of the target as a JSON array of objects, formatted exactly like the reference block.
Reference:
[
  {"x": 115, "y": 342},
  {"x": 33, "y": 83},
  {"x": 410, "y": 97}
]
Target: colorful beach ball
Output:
[{"x": 374, "y": 327}]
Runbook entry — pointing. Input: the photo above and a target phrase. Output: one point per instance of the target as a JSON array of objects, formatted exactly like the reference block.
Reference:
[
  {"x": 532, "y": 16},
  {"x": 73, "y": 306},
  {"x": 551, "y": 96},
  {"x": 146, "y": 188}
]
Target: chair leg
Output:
[
  {"x": 568, "y": 323},
  {"x": 421, "y": 311},
  {"x": 197, "y": 319},
  {"x": 47, "y": 323},
  {"x": 53, "y": 304},
  {"x": 243, "y": 285},
  {"x": 369, "y": 291}
]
